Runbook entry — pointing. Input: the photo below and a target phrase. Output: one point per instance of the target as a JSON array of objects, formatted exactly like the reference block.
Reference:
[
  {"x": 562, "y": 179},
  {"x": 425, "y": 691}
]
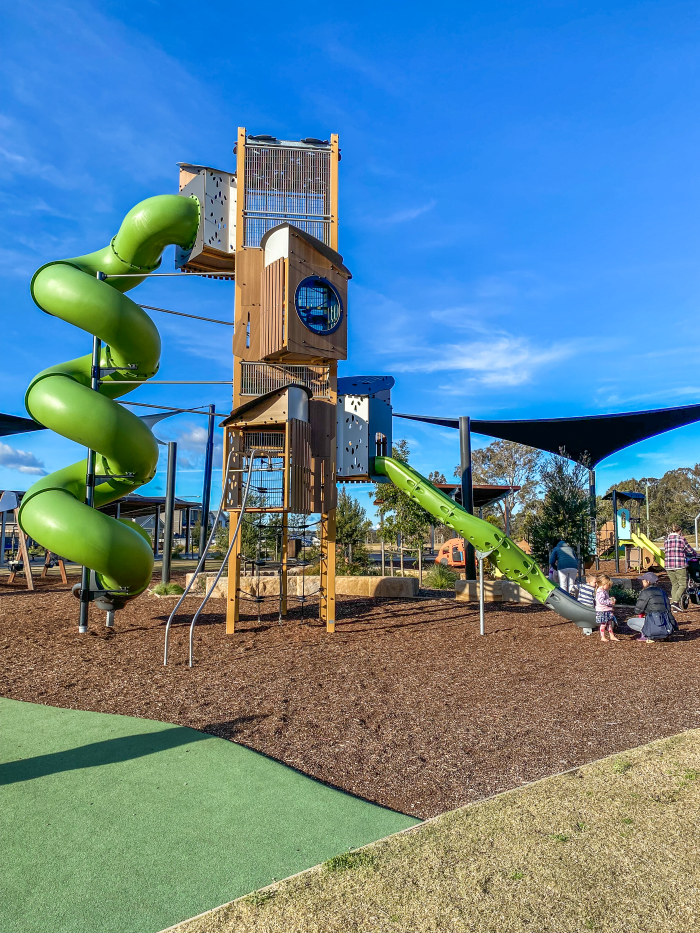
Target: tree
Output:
[
  {"x": 505, "y": 463},
  {"x": 564, "y": 512},
  {"x": 399, "y": 514},
  {"x": 352, "y": 524},
  {"x": 435, "y": 477}
]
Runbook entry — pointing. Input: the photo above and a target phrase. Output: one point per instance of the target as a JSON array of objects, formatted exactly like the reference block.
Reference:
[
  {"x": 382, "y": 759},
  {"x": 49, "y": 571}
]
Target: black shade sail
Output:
[
  {"x": 587, "y": 439},
  {"x": 13, "y": 424}
]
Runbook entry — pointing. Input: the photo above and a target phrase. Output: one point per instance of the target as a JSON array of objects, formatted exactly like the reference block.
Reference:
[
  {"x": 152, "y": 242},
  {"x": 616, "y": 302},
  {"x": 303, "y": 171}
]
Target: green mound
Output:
[{"x": 128, "y": 826}]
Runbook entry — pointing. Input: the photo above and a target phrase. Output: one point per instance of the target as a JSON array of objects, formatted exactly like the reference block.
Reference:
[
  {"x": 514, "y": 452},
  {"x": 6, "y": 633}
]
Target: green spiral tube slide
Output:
[
  {"x": 513, "y": 563},
  {"x": 53, "y": 511}
]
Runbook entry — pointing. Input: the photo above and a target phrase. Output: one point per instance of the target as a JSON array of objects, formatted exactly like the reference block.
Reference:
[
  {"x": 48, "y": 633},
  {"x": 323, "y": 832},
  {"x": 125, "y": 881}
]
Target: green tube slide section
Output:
[
  {"x": 53, "y": 510},
  {"x": 512, "y": 562}
]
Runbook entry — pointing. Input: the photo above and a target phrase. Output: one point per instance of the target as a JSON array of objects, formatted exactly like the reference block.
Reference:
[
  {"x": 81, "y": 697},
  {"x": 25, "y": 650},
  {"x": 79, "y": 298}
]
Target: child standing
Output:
[
  {"x": 586, "y": 591},
  {"x": 604, "y": 602}
]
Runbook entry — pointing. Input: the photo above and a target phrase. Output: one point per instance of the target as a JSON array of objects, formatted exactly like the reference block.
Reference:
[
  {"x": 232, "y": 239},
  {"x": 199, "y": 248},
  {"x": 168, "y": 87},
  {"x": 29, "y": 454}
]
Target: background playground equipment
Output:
[
  {"x": 77, "y": 400},
  {"x": 626, "y": 526},
  {"x": 9, "y": 503}
]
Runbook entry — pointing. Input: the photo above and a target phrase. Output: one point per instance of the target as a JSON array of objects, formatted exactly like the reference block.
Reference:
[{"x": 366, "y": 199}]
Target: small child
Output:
[
  {"x": 586, "y": 591},
  {"x": 604, "y": 602}
]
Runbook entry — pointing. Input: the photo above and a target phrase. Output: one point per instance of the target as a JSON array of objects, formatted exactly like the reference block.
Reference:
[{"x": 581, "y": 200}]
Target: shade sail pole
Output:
[
  {"x": 465, "y": 452},
  {"x": 594, "y": 516}
]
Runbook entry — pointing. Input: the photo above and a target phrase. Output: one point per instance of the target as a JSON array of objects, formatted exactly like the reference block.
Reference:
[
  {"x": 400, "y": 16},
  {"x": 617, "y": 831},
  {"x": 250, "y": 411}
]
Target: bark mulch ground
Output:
[{"x": 405, "y": 705}]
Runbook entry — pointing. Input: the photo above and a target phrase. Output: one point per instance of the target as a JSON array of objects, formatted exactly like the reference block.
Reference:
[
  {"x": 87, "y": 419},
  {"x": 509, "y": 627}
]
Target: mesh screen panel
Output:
[{"x": 286, "y": 184}]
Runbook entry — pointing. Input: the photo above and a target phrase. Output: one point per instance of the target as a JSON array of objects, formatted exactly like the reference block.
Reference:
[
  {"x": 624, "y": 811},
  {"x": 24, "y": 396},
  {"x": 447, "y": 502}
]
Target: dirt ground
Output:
[{"x": 406, "y": 705}]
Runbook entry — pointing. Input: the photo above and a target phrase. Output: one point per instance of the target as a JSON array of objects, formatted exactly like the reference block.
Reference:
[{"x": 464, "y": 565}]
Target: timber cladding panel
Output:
[
  {"x": 273, "y": 310},
  {"x": 300, "y": 466},
  {"x": 323, "y": 491},
  {"x": 246, "y": 336},
  {"x": 283, "y": 335}
]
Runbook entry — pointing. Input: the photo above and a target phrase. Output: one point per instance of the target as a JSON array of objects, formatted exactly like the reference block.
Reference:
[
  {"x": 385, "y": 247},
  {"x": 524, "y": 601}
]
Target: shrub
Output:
[
  {"x": 623, "y": 595},
  {"x": 168, "y": 589},
  {"x": 440, "y": 577}
]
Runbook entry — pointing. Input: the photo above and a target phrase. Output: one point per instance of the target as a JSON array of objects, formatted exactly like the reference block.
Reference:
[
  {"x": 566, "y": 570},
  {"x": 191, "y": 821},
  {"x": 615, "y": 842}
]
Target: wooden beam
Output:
[{"x": 335, "y": 158}]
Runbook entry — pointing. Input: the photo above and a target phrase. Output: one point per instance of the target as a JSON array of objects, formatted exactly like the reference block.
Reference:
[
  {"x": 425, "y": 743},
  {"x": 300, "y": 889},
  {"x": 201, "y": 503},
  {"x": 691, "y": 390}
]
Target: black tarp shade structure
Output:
[
  {"x": 588, "y": 439},
  {"x": 14, "y": 424}
]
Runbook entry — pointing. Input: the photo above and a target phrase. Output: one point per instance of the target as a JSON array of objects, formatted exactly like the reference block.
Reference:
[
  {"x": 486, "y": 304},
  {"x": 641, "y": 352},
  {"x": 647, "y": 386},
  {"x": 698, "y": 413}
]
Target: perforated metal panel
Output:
[
  {"x": 359, "y": 418},
  {"x": 214, "y": 248}
]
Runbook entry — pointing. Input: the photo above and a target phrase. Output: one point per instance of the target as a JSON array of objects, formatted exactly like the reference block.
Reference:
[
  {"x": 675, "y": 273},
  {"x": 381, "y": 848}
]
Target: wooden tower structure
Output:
[{"x": 273, "y": 226}]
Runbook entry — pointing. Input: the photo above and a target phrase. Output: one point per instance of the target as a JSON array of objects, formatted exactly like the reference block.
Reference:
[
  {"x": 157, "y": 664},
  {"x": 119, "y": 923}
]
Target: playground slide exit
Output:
[
  {"x": 53, "y": 511},
  {"x": 503, "y": 553}
]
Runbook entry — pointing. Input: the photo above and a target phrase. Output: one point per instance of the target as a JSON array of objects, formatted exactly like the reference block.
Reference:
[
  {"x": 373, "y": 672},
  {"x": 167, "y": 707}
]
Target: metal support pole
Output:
[
  {"x": 593, "y": 510},
  {"x": 482, "y": 624},
  {"x": 90, "y": 484},
  {"x": 169, "y": 511},
  {"x": 696, "y": 529},
  {"x": 465, "y": 452},
  {"x": 187, "y": 531},
  {"x": 206, "y": 488},
  {"x": 2, "y": 539},
  {"x": 615, "y": 538}
]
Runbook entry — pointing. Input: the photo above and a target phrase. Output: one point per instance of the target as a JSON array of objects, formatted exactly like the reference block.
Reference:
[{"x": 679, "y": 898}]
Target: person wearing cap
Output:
[
  {"x": 676, "y": 554},
  {"x": 655, "y": 620}
]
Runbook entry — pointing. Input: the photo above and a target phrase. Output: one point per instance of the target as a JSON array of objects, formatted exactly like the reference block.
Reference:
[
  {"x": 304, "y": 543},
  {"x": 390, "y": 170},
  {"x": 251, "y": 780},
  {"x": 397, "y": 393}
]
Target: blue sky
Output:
[{"x": 519, "y": 196}]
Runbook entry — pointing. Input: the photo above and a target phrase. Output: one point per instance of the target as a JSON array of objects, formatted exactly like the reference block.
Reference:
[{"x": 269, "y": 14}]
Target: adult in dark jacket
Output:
[{"x": 655, "y": 607}]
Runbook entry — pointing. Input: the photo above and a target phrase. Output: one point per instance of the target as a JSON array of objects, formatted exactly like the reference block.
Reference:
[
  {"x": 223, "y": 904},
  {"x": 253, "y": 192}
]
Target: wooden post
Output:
[
  {"x": 285, "y": 564},
  {"x": 61, "y": 566},
  {"x": 231, "y": 490},
  {"x": 335, "y": 158},
  {"x": 234, "y": 577},
  {"x": 286, "y": 498},
  {"x": 25, "y": 556},
  {"x": 327, "y": 605}
]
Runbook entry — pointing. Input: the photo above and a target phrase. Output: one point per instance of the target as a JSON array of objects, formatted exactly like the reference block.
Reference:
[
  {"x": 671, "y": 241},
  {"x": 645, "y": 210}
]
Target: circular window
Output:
[{"x": 318, "y": 305}]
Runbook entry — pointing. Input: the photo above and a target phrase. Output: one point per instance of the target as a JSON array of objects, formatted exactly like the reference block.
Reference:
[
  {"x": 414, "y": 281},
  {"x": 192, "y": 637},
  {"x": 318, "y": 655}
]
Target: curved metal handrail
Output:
[
  {"x": 200, "y": 564},
  {"x": 234, "y": 538}
]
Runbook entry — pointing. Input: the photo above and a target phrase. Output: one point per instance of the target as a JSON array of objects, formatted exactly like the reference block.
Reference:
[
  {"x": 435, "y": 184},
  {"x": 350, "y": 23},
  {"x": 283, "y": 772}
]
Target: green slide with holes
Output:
[
  {"x": 513, "y": 563},
  {"x": 88, "y": 292}
]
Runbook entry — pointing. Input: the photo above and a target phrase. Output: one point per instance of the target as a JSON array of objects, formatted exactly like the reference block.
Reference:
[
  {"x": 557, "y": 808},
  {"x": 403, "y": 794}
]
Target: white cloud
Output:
[
  {"x": 21, "y": 460},
  {"x": 409, "y": 213},
  {"x": 506, "y": 361}
]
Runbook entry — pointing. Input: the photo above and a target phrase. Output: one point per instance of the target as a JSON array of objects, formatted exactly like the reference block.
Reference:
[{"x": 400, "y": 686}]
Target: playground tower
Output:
[{"x": 273, "y": 226}]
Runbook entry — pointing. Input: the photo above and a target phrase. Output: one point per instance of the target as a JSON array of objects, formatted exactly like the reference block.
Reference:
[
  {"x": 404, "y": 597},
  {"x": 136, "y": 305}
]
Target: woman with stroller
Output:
[{"x": 655, "y": 620}]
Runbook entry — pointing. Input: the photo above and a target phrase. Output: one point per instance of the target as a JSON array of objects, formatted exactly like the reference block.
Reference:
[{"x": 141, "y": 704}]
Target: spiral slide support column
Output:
[
  {"x": 53, "y": 511},
  {"x": 513, "y": 563}
]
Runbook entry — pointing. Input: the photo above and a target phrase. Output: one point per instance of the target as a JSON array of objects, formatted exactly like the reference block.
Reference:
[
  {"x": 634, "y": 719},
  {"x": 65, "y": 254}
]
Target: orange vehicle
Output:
[{"x": 451, "y": 554}]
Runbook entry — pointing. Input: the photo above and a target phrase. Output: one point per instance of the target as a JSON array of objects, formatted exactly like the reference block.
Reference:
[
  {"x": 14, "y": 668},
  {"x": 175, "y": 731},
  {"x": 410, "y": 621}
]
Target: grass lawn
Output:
[
  {"x": 122, "y": 825},
  {"x": 613, "y": 846}
]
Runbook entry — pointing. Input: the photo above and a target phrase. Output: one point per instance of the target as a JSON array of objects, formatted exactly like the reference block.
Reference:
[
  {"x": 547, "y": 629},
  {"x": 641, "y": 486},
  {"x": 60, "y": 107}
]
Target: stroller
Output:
[{"x": 692, "y": 592}]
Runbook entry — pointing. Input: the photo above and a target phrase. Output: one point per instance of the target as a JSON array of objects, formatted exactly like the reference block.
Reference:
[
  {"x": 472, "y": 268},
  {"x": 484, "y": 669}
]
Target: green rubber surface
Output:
[{"x": 122, "y": 825}]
